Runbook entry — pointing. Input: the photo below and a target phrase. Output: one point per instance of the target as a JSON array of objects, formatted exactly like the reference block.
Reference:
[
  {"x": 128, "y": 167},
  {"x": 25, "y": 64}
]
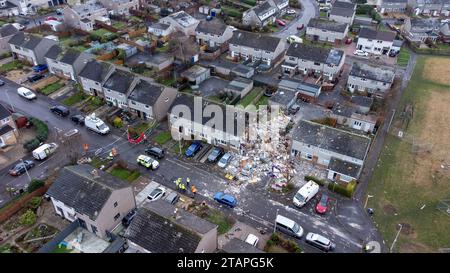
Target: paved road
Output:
[{"x": 310, "y": 9}]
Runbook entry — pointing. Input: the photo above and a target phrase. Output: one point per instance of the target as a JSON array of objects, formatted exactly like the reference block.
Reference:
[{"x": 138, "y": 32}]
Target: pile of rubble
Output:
[{"x": 265, "y": 154}]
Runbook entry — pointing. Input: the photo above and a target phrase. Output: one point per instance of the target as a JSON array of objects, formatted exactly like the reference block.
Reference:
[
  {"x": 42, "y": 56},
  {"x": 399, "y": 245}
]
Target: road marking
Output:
[{"x": 179, "y": 164}]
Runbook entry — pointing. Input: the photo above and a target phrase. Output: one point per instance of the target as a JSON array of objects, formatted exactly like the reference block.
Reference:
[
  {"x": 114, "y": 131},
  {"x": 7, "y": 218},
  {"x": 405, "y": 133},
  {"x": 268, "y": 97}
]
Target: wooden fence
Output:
[
  {"x": 20, "y": 203},
  {"x": 107, "y": 56}
]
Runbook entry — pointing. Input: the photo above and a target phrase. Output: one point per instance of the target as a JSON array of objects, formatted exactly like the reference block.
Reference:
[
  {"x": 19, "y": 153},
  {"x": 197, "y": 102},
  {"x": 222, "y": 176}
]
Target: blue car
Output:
[
  {"x": 225, "y": 199},
  {"x": 40, "y": 68},
  {"x": 193, "y": 149}
]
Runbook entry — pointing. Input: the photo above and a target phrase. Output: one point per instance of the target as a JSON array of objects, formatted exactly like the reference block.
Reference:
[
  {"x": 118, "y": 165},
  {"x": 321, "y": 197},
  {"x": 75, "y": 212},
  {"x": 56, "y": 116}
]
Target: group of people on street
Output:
[{"x": 183, "y": 186}]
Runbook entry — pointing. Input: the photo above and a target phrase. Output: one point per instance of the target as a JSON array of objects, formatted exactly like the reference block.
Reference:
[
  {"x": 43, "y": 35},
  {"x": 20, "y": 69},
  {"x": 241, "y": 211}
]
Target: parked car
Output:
[
  {"x": 294, "y": 39},
  {"x": 156, "y": 194},
  {"x": 361, "y": 53},
  {"x": 322, "y": 205},
  {"x": 40, "y": 67},
  {"x": 156, "y": 152},
  {"x": 319, "y": 241},
  {"x": 126, "y": 221},
  {"x": 305, "y": 193},
  {"x": 216, "y": 153},
  {"x": 300, "y": 27},
  {"x": 294, "y": 109},
  {"x": 19, "y": 26},
  {"x": 51, "y": 18},
  {"x": 193, "y": 149},
  {"x": 35, "y": 77},
  {"x": 148, "y": 162},
  {"x": 60, "y": 110},
  {"x": 44, "y": 151},
  {"x": 59, "y": 11},
  {"x": 2, "y": 83},
  {"x": 78, "y": 119},
  {"x": 26, "y": 93},
  {"x": 288, "y": 226},
  {"x": 393, "y": 53},
  {"x": 71, "y": 133},
  {"x": 348, "y": 41},
  {"x": 291, "y": 11},
  {"x": 225, "y": 199},
  {"x": 223, "y": 162},
  {"x": 21, "y": 167},
  {"x": 252, "y": 239},
  {"x": 280, "y": 22},
  {"x": 172, "y": 198}
]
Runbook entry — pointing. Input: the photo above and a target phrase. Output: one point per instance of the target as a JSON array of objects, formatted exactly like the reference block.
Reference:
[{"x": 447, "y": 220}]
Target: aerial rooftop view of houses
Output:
[{"x": 224, "y": 126}]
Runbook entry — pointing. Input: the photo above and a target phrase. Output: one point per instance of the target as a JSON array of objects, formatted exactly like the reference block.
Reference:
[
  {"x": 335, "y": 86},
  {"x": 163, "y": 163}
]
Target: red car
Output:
[
  {"x": 280, "y": 22},
  {"x": 322, "y": 205},
  {"x": 300, "y": 27},
  {"x": 51, "y": 18},
  {"x": 348, "y": 41}
]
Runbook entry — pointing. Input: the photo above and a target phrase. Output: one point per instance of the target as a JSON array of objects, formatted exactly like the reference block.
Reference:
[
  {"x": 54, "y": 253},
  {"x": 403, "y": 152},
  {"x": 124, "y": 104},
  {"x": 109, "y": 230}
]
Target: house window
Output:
[
  {"x": 147, "y": 106},
  {"x": 132, "y": 102},
  {"x": 357, "y": 123},
  {"x": 115, "y": 204},
  {"x": 291, "y": 58},
  {"x": 116, "y": 217},
  {"x": 166, "y": 100}
]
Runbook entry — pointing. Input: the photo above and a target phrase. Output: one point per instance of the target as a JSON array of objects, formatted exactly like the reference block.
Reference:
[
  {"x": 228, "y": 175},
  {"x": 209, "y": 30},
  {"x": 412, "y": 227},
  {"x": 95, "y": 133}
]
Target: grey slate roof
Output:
[
  {"x": 345, "y": 5},
  {"x": 327, "y": 25},
  {"x": 146, "y": 92},
  {"x": 95, "y": 70},
  {"x": 53, "y": 52},
  {"x": 161, "y": 26},
  {"x": 70, "y": 56},
  {"x": 76, "y": 187},
  {"x": 4, "y": 113},
  {"x": 283, "y": 97},
  {"x": 5, "y": 129},
  {"x": 315, "y": 54},
  {"x": 343, "y": 9},
  {"x": 362, "y": 101},
  {"x": 394, "y": 1},
  {"x": 238, "y": 246},
  {"x": 8, "y": 30},
  {"x": 344, "y": 110},
  {"x": 119, "y": 81},
  {"x": 255, "y": 40},
  {"x": 372, "y": 72},
  {"x": 262, "y": 8},
  {"x": 156, "y": 229},
  {"x": 215, "y": 27},
  {"x": 239, "y": 84},
  {"x": 298, "y": 85},
  {"x": 372, "y": 34},
  {"x": 344, "y": 167},
  {"x": 25, "y": 40},
  {"x": 331, "y": 139},
  {"x": 8, "y": 5}
]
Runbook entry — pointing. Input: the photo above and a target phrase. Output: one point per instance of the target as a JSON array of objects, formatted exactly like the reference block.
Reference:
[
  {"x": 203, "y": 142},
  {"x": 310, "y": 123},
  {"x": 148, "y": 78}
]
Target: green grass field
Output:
[
  {"x": 53, "y": 87},
  {"x": 162, "y": 138},
  {"x": 410, "y": 180},
  {"x": 74, "y": 99},
  {"x": 250, "y": 96},
  {"x": 125, "y": 174},
  {"x": 403, "y": 57}
]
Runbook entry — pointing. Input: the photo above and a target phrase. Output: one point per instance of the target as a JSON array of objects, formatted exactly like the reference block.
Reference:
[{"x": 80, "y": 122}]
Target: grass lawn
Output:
[
  {"x": 225, "y": 223},
  {"x": 62, "y": 249},
  {"x": 52, "y": 88},
  {"x": 2, "y": 23},
  {"x": 11, "y": 66},
  {"x": 97, "y": 162},
  {"x": 232, "y": 12},
  {"x": 168, "y": 82},
  {"x": 403, "y": 57},
  {"x": 409, "y": 180},
  {"x": 75, "y": 98},
  {"x": 323, "y": 14},
  {"x": 119, "y": 25},
  {"x": 162, "y": 138},
  {"x": 101, "y": 32},
  {"x": 163, "y": 49},
  {"x": 318, "y": 44},
  {"x": 125, "y": 174},
  {"x": 250, "y": 97},
  {"x": 264, "y": 100}
]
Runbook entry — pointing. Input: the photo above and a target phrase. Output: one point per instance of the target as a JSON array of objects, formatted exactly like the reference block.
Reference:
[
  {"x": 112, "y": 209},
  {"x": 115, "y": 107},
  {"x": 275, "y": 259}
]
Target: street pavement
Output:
[{"x": 309, "y": 10}]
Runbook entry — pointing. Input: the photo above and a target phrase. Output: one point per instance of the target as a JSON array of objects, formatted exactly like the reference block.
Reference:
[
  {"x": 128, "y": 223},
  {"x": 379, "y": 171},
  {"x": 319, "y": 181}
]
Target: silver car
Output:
[
  {"x": 319, "y": 241},
  {"x": 223, "y": 162}
]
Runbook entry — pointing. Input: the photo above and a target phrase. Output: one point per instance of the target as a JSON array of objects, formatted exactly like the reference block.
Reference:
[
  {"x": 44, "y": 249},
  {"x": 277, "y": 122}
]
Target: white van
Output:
[
  {"x": 26, "y": 93},
  {"x": 294, "y": 39},
  {"x": 306, "y": 193},
  {"x": 43, "y": 151},
  {"x": 288, "y": 226},
  {"x": 95, "y": 124}
]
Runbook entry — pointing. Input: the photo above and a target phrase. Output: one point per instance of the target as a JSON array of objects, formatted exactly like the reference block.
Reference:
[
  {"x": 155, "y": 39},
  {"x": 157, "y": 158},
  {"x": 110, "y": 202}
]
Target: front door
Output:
[{"x": 82, "y": 223}]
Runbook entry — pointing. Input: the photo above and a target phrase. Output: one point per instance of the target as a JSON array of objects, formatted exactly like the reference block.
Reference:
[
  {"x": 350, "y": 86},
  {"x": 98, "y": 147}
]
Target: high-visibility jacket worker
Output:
[
  {"x": 193, "y": 189},
  {"x": 183, "y": 187}
]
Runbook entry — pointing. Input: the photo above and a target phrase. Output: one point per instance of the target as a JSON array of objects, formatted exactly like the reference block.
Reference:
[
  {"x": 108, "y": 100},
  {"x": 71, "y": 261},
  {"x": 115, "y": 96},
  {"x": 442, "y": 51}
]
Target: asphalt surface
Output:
[{"x": 309, "y": 10}]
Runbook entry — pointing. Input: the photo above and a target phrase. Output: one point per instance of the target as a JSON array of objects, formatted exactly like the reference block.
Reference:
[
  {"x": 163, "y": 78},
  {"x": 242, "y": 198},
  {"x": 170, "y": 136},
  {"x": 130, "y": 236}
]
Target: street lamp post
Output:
[
  {"x": 367, "y": 200},
  {"x": 26, "y": 170},
  {"x": 396, "y": 237},
  {"x": 275, "y": 224}
]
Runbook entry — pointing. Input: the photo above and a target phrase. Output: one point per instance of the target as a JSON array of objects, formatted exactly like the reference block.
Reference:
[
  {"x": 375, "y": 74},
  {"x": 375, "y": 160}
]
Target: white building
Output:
[{"x": 375, "y": 41}]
